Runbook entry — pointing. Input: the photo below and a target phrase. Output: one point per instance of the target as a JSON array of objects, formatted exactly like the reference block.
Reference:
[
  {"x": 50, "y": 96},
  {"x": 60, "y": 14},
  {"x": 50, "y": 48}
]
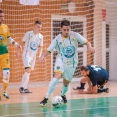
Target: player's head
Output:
[
  {"x": 37, "y": 26},
  {"x": 65, "y": 28},
  {"x": 84, "y": 70},
  {"x": 1, "y": 16}
]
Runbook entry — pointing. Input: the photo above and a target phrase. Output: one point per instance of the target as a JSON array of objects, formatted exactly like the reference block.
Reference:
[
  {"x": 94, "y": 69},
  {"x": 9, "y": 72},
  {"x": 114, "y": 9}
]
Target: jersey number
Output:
[{"x": 95, "y": 67}]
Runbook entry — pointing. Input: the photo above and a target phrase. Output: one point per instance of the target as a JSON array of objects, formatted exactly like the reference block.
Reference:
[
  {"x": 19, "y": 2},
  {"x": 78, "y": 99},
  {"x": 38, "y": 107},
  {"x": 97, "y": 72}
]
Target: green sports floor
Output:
[{"x": 91, "y": 107}]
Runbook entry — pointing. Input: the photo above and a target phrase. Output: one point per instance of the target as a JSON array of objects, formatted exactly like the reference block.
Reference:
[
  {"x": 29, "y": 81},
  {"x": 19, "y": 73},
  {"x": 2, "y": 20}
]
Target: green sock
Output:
[{"x": 64, "y": 90}]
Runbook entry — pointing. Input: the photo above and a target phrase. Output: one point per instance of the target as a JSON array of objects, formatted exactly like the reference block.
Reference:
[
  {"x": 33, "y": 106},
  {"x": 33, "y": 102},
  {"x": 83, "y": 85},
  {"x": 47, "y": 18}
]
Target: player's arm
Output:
[
  {"x": 24, "y": 39},
  {"x": 19, "y": 50},
  {"x": 49, "y": 50},
  {"x": 11, "y": 41},
  {"x": 93, "y": 90},
  {"x": 40, "y": 51},
  {"x": 89, "y": 47},
  {"x": 89, "y": 85},
  {"x": 84, "y": 41}
]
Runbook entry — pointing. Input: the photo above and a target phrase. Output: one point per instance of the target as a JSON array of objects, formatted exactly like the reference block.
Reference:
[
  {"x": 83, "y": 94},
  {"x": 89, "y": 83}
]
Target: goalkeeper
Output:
[
  {"x": 4, "y": 55},
  {"x": 66, "y": 44}
]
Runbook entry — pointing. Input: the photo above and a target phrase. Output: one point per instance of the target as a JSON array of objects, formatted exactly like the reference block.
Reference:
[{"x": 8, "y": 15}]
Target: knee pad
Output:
[{"x": 6, "y": 75}]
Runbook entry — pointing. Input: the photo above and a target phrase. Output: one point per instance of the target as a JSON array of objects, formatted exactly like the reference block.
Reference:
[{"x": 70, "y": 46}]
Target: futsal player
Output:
[
  {"x": 32, "y": 40},
  {"x": 66, "y": 44},
  {"x": 96, "y": 77},
  {"x": 5, "y": 38}
]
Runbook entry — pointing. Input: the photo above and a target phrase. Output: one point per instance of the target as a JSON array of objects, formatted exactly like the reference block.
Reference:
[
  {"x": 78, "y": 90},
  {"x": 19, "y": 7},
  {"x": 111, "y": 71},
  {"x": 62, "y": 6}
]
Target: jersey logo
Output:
[
  {"x": 68, "y": 51},
  {"x": 1, "y": 38},
  {"x": 95, "y": 67},
  {"x": 5, "y": 30},
  {"x": 33, "y": 45}
]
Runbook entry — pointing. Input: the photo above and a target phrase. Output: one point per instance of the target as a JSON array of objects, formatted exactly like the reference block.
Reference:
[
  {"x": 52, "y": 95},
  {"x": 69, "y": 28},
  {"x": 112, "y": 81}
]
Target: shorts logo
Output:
[
  {"x": 68, "y": 51},
  {"x": 33, "y": 46},
  {"x": 58, "y": 67},
  {"x": 60, "y": 43}
]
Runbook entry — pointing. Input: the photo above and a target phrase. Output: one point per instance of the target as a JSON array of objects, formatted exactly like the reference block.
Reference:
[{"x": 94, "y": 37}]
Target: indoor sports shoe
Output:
[
  {"x": 64, "y": 99},
  {"x": 27, "y": 91},
  {"x": 107, "y": 90},
  {"x": 5, "y": 95},
  {"x": 21, "y": 89},
  {"x": 77, "y": 88},
  {"x": 44, "y": 102}
]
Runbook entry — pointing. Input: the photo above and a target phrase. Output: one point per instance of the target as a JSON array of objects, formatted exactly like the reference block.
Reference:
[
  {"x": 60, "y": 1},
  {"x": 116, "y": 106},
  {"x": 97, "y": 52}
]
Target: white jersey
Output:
[
  {"x": 32, "y": 42},
  {"x": 67, "y": 48}
]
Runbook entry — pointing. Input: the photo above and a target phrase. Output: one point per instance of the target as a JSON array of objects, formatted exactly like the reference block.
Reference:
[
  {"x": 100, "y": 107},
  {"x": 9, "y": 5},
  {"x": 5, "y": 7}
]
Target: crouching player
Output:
[{"x": 96, "y": 77}]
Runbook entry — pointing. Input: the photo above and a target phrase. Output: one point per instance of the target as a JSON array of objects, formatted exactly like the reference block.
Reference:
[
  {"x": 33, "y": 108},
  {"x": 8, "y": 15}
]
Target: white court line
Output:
[{"x": 59, "y": 111}]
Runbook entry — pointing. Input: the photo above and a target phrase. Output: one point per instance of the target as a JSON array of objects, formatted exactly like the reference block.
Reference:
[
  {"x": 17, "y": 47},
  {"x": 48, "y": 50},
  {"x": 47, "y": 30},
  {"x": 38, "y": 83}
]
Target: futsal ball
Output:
[{"x": 57, "y": 101}]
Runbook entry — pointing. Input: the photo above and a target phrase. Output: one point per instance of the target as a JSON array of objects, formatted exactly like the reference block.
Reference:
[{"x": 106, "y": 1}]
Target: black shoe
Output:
[
  {"x": 77, "y": 88},
  {"x": 5, "y": 95},
  {"x": 44, "y": 102},
  {"x": 64, "y": 99},
  {"x": 107, "y": 90},
  {"x": 27, "y": 91},
  {"x": 21, "y": 89}
]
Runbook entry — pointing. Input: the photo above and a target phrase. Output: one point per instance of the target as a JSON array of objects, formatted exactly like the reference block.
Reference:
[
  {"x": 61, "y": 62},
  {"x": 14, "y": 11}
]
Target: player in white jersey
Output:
[
  {"x": 33, "y": 40},
  {"x": 66, "y": 44}
]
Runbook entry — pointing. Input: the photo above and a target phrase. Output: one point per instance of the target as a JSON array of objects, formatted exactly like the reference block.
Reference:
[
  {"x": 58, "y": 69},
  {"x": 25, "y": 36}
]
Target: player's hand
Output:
[
  {"x": 19, "y": 46},
  {"x": 89, "y": 89},
  {"x": 80, "y": 91},
  {"x": 91, "y": 49},
  {"x": 42, "y": 58},
  {"x": 17, "y": 54}
]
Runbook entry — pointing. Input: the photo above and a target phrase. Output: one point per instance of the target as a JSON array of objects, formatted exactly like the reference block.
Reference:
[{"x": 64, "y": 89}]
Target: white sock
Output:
[
  {"x": 64, "y": 90},
  {"x": 51, "y": 87},
  {"x": 25, "y": 80}
]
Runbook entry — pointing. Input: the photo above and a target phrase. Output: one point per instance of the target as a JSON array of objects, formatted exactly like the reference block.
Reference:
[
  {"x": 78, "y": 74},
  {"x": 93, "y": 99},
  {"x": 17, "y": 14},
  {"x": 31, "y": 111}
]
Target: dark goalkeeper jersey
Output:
[{"x": 97, "y": 73}]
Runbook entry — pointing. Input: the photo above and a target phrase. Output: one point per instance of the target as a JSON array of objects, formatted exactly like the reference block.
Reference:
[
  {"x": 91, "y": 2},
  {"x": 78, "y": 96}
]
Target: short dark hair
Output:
[
  {"x": 65, "y": 23},
  {"x": 85, "y": 68},
  {"x": 1, "y": 11},
  {"x": 37, "y": 22}
]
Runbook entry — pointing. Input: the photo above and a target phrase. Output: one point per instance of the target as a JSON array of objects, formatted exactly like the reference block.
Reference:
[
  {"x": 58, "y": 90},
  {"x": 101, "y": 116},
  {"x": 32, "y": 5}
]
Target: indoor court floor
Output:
[{"x": 79, "y": 105}]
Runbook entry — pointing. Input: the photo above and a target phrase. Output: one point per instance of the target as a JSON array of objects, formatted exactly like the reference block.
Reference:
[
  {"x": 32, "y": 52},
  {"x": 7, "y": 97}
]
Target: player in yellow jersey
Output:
[{"x": 4, "y": 55}]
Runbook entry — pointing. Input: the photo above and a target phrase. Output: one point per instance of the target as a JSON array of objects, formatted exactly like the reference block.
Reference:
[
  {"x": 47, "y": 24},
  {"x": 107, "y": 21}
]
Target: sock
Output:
[
  {"x": 5, "y": 85},
  {"x": 101, "y": 90},
  {"x": 82, "y": 85},
  {"x": 51, "y": 87},
  {"x": 25, "y": 80},
  {"x": 64, "y": 90}
]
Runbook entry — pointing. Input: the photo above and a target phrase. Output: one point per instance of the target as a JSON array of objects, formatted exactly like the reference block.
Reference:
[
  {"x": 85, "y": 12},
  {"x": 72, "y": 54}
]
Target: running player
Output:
[
  {"x": 66, "y": 44},
  {"x": 32, "y": 40},
  {"x": 4, "y": 55},
  {"x": 96, "y": 77}
]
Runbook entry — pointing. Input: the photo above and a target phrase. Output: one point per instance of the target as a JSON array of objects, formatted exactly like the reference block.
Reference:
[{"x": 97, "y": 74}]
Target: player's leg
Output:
[
  {"x": 26, "y": 75},
  {"x": 25, "y": 81},
  {"x": 57, "y": 74},
  {"x": 51, "y": 88},
  {"x": 82, "y": 84},
  {"x": 67, "y": 75},
  {"x": 65, "y": 88},
  {"x": 101, "y": 86},
  {"x": 5, "y": 64}
]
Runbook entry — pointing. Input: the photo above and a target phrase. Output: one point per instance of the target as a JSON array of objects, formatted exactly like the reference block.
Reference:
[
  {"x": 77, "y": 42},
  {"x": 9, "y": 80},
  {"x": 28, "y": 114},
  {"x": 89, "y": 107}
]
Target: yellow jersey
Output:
[{"x": 4, "y": 35}]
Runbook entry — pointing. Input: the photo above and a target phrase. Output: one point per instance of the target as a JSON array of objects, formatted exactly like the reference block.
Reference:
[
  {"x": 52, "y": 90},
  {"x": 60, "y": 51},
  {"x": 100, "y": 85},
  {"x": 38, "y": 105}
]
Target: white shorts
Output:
[
  {"x": 67, "y": 71},
  {"x": 28, "y": 62}
]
